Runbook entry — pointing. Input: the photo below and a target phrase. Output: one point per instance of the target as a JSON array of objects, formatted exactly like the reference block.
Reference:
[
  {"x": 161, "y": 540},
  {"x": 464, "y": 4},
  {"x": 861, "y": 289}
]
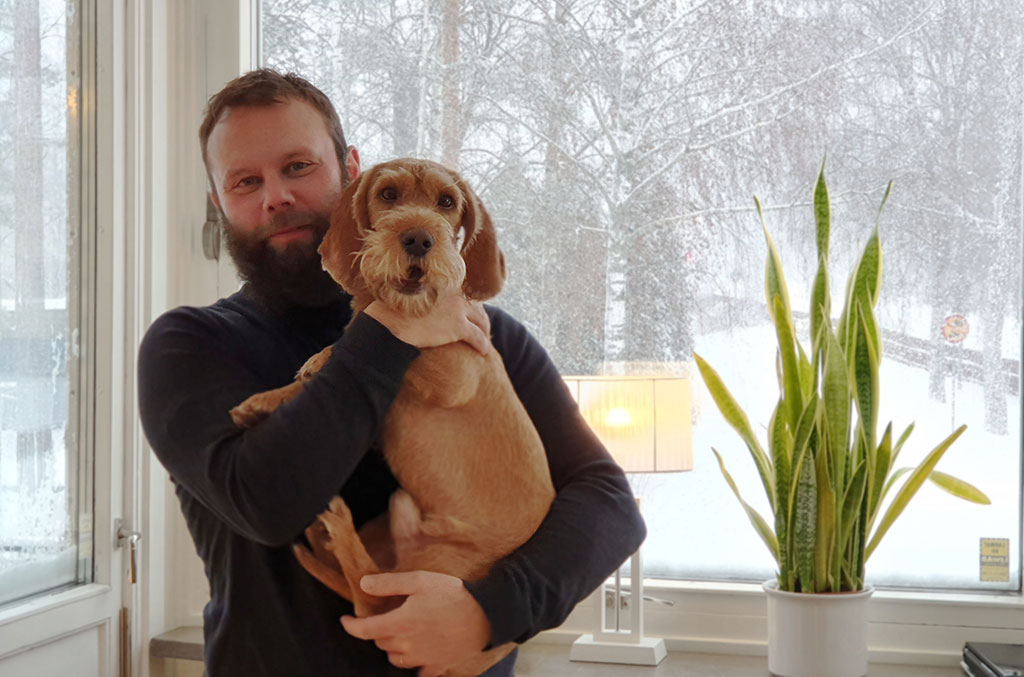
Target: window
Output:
[
  {"x": 618, "y": 145},
  {"x": 44, "y": 482}
]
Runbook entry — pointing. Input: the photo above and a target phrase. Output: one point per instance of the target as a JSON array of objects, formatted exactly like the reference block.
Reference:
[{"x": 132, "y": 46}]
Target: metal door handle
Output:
[{"x": 131, "y": 538}]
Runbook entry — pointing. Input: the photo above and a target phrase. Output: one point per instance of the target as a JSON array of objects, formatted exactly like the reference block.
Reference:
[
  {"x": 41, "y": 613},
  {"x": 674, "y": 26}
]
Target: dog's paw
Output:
[
  {"x": 337, "y": 519},
  {"x": 314, "y": 364},
  {"x": 252, "y": 411}
]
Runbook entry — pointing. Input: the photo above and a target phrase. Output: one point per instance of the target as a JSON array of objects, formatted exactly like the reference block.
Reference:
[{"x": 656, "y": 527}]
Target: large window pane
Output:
[
  {"x": 40, "y": 157},
  {"x": 618, "y": 145}
]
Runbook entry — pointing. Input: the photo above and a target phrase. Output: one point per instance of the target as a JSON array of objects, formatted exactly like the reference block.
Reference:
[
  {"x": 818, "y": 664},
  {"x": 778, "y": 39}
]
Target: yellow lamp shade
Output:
[{"x": 645, "y": 422}]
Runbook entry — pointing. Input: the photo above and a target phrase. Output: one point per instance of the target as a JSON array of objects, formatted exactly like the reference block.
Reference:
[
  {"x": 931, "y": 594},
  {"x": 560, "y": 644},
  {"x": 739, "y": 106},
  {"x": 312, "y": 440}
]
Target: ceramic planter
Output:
[{"x": 813, "y": 635}]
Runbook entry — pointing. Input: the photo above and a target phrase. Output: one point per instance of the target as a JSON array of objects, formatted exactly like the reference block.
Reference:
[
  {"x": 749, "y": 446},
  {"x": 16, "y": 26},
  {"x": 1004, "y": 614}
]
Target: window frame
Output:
[{"x": 114, "y": 35}]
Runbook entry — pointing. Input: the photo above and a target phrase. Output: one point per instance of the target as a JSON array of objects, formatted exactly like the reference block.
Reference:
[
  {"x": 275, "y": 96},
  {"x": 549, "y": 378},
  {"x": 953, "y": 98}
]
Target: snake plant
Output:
[{"x": 826, "y": 471}]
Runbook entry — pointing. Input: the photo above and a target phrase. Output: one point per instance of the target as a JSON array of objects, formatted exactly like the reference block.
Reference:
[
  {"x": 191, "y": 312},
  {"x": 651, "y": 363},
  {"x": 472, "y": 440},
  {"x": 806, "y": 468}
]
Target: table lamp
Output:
[{"x": 645, "y": 423}]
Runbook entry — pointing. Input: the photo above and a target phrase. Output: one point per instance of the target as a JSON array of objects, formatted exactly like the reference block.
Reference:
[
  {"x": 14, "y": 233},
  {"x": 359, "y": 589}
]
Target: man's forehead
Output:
[{"x": 249, "y": 132}]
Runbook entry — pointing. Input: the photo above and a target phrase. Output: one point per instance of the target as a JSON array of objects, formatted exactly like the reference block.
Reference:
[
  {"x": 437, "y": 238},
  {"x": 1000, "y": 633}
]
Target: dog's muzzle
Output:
[{"x": 417, "y": 242}]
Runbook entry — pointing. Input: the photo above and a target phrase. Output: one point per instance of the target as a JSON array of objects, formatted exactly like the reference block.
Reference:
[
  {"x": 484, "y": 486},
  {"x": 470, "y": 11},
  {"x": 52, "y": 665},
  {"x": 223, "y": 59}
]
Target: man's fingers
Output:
[
  {"x": 372, "y": 627},
  {"x": 476, "y": 338},
  {"x": 391, "y": 584},
  {"x": 479, "y": 317}
]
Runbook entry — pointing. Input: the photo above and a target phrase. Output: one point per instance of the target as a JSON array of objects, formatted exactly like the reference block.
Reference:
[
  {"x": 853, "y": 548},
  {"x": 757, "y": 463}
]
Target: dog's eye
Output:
[
  {"x": 446, "y": 201},
  {"x": 389, "y": 194}
]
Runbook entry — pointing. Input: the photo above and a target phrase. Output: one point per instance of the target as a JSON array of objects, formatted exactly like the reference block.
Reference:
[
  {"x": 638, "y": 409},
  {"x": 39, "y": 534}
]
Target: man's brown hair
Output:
[{"x": 266, "y": 87}]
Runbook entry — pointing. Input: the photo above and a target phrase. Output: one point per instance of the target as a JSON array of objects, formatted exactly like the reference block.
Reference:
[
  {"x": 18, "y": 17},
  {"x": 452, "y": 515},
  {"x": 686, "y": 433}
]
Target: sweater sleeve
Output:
[
  {"x": 593, "y": 525},
  {"x": 267, "y": 482}
]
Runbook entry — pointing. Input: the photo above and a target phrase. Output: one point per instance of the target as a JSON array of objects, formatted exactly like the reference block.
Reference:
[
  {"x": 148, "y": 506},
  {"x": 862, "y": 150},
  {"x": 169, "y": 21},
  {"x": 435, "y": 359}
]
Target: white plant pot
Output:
[{"x": 813, "y": 635}]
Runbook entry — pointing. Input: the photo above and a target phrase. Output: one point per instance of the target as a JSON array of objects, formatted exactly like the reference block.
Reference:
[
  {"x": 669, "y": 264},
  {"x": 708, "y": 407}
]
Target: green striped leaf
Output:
[
  {"x": 836, "y": 396},
  {"x": 907, "y": 491},
  {"x": 760, "y": 525},
  {"x": 883, "y": 463},
  {"x": 774, "y": 279},
  {"x": 792, "y": 390},
  {"x": 822, "y": 215},
  {"x": 959, "y": 488},
  {"x": 824, "y": 529},
  {"x": 804, "y": 523},
  {"x": 781, "y": 447},
  {"x": 865, "y": 381},
  {"x": 852, "y": 498},
  {"x": 899, "y": 444},
  {"x": 737, "y": 418}
]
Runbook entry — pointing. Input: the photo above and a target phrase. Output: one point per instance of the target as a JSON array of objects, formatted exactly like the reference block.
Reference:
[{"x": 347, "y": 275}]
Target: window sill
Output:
[{"x": 905, "y": 627}]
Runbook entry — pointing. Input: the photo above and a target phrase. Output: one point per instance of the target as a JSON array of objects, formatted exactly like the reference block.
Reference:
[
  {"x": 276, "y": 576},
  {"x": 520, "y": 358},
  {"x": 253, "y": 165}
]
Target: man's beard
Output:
[{"x": 284, "y": 278}]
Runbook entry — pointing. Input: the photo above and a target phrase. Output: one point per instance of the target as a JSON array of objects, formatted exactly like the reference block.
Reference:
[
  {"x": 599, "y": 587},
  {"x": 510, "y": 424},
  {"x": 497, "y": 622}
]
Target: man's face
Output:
[{"x": 276, "y": 176}]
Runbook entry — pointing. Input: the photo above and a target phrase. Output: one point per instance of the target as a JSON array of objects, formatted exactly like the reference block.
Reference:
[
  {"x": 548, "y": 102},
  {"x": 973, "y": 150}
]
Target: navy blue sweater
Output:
[{"x": 248, "y": 494}]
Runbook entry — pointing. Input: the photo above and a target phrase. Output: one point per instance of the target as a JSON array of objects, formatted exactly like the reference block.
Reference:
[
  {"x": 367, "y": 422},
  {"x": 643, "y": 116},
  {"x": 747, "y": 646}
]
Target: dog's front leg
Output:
[{"x": 259, "y": 406}]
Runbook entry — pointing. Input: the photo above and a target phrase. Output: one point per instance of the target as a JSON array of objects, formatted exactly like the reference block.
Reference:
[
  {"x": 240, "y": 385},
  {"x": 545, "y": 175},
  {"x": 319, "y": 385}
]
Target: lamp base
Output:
[{"x": 646, "y": 651}]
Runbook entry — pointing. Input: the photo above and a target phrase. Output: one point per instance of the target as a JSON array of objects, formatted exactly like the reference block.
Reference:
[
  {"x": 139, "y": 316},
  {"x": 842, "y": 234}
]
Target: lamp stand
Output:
[{"x": 618, "y": 645}]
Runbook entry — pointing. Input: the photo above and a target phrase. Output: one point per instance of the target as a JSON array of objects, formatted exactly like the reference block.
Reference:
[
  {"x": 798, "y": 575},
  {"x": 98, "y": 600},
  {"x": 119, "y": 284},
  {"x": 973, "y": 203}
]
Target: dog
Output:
[{"x": 457, "y": 438}]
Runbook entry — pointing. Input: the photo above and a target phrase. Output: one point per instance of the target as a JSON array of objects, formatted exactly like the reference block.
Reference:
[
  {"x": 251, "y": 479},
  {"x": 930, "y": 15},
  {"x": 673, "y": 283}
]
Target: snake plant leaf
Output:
[
  {"x": 822, "y": 216},
  {"x": 781, "y": 447},
  {"x": 804, "y": 521},
  {"x": 792, "y": 388},
  {"x": 959, "y": 488},
  {"x": 825, "y": 526},
  {"x": 869, "y": 269},
  {"x": 883, "y": 463},
  {"x": 899, "y": 444},
  {"x": 865, "y": 381},
  {"x": 763, "y": 530},
  {"x": 808, "y": 375},
  {"x": 836, "y": 396},
  {"x": 889, "y": 483},
  {"x": 774, "y": 279},
  {"x": 907, "y": 491},
  {"x": 853, "y": 496},
  {"x": 736, "y": 418},
  {"x": 820, "y": 306}
]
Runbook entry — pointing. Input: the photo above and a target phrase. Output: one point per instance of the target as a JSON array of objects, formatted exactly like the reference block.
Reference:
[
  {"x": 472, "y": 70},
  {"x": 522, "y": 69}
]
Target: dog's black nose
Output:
[{"x": 417, "y": 242}]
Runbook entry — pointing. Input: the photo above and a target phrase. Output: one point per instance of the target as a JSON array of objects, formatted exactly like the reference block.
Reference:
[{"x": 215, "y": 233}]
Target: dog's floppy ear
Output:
[
  {"x": 485, "y": 263},
  {"x": 340, "y": 246}
]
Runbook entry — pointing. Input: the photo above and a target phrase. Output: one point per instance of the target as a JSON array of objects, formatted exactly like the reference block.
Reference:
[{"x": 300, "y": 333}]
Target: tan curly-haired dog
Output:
[{"x": 457, "y": 437}]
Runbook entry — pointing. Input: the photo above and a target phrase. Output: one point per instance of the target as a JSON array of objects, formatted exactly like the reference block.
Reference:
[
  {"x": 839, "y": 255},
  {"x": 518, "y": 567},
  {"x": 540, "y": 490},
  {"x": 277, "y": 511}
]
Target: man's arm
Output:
[
  {"x": 594, "y": 524},
  {"x": 269, "y": 481}
]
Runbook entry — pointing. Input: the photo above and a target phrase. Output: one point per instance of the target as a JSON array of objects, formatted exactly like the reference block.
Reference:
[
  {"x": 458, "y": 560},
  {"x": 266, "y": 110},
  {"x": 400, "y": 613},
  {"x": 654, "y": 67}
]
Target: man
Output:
[{"x": 276, "y": 158}]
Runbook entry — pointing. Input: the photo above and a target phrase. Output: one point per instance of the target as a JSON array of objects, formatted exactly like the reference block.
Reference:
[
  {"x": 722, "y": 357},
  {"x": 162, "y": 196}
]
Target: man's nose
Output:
[{"x": 277, "y": 195}]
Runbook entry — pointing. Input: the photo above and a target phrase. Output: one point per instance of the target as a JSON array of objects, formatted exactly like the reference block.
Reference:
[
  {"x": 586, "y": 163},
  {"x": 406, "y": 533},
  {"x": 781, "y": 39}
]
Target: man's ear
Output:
[
  {"x": 485, "y": 262},
  {"x": 351, "y": 167},
  {"x": 343, "y": 240}
]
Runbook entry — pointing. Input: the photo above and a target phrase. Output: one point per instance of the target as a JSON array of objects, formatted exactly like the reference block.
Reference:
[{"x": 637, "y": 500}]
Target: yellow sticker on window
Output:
[{"x": 995, "y": 560}]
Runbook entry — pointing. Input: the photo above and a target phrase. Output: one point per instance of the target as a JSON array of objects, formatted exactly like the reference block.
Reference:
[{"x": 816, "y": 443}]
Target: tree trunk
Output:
[
  {"x": 451, "y": 98},
  {"x": 939, "y": 353},
  {"x": 31, "y": 327},
  {"x": 993, "y": 378}
]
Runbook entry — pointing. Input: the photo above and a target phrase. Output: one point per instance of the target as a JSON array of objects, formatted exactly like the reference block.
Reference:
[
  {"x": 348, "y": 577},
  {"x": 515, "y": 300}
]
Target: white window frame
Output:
[
  {"x": 109, "y": 191},
  {"x": 924, "y": 628}
]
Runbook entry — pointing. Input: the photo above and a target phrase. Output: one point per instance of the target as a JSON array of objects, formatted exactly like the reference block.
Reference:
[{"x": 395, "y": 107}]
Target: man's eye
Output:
[
  {"x": 298, "y": 166},
  {"x": 247, "y": 182},
  {"x": 389, "y": 194},
  {"x": 446, "y": 201}
]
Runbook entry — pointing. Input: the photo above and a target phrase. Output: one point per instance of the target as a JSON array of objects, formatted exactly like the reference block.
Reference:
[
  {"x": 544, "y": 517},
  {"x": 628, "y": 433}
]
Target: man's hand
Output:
[
  {"x": 438, "y": 625},
  {"x": 453, "y": 318}
]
